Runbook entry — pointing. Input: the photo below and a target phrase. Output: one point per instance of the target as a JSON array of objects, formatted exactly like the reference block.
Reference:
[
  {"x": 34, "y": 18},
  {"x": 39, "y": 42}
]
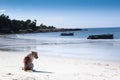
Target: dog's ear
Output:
[{"x": 33, "y": 52}]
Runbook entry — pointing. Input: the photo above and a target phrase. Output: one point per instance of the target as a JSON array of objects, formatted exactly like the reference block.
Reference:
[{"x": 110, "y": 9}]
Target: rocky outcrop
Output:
[{"x": 102, "y": 36}]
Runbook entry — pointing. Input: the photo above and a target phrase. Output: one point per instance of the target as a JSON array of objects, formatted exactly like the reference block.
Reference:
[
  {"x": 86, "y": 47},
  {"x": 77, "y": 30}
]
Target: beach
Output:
[
  {"x": 74, "y": 39},
  {"x": 57, "y": 68},
  {"x": 60, "y": 57}
]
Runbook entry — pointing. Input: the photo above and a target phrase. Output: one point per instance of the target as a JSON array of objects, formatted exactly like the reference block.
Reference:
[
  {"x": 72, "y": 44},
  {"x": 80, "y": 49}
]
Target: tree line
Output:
[{"x": 8, "y": 25}]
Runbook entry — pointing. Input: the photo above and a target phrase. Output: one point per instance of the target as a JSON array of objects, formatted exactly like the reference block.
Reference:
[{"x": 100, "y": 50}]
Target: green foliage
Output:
[
  {"x": 46, "y": 27},
  {"x": 5, "y": 23},
  {"x": 4, "y": 20},
  {"x": 17, "y": 26}
]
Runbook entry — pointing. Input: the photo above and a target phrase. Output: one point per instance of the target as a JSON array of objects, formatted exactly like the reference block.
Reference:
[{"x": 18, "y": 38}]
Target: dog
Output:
[{"x": 28, "y": 65}]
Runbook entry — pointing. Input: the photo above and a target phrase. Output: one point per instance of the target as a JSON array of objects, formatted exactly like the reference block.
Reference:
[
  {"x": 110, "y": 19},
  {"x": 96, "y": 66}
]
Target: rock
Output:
[{"x": 102, "y": 36}]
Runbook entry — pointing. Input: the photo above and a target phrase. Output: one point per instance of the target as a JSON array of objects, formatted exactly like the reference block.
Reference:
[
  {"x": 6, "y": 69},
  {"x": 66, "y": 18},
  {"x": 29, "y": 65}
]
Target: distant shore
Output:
[
  {"x": 12, "y": 26},
  {"x": 42, "y": 31}
]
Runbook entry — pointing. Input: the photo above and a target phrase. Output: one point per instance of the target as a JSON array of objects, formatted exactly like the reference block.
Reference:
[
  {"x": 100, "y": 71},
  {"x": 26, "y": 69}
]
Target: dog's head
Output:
[{"x": 35, "y": 54}]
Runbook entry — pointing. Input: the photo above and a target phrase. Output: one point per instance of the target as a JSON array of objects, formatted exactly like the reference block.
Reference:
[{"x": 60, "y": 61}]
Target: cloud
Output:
[{"x": 2, "y": 11}]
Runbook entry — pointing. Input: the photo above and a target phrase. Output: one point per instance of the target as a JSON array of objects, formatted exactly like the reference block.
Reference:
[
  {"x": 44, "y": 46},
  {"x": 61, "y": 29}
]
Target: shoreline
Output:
[
  {"x": 65, "y": 47},
  {"x": 57, "y": 68}
]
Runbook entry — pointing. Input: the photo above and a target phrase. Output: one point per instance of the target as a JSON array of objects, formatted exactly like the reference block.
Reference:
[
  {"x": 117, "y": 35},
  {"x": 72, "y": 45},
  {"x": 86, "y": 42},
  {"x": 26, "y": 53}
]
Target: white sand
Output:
[{"x": 57, "y": 68}]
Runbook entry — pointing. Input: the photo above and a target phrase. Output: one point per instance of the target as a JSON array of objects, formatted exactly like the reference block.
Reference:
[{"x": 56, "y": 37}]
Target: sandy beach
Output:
[
  {"x": 74, "y": 39},
  {"x": 57, "y": 68}
]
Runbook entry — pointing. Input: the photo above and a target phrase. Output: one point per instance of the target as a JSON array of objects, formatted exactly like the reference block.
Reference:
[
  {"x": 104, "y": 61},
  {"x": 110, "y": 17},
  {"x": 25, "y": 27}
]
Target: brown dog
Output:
[{"x": 28, "y": 65}]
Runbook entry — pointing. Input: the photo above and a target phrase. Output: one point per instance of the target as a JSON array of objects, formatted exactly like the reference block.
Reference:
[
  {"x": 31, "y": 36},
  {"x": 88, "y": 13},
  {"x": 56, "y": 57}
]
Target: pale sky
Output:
[{"x": 65, "y": 13}]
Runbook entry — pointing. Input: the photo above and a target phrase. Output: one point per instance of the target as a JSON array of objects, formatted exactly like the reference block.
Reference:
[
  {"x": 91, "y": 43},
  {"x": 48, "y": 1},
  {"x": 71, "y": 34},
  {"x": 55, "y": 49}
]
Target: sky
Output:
[{"x": 65, "y": 13}]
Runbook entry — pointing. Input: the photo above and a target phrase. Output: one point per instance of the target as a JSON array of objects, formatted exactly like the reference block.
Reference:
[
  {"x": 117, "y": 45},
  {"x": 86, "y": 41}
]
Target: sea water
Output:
[{"x": 77, "y": 46}]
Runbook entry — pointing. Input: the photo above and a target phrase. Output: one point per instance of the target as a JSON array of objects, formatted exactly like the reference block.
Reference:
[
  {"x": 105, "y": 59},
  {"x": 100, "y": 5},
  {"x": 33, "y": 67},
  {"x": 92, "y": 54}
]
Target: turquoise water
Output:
[{"x": 68, "y": 46}]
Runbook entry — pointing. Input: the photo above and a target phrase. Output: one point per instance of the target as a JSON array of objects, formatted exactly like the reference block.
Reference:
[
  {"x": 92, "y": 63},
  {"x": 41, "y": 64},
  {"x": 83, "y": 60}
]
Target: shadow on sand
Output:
[{"x": 41, "y": 71}]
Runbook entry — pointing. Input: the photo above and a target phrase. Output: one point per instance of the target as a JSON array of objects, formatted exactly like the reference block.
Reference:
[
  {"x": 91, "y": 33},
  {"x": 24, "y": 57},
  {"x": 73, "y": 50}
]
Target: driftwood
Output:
[{"x": 102, "y": 36}]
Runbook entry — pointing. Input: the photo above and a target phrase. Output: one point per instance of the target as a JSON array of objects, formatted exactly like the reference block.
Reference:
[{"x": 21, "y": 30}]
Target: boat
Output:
[{"x": 67, "y": 34}]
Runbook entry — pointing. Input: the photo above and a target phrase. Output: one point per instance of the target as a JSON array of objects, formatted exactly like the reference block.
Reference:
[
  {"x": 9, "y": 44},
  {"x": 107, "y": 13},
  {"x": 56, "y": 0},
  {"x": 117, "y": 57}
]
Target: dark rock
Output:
[{"x": 103, "y": 36}]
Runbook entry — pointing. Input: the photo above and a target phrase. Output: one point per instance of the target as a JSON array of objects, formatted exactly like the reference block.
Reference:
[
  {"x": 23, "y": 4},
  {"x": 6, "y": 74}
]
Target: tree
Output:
[
  {"x": 17, "y": 26},
  {"x": 4, "y": 20},
  {"x": 33, "y": 25},
  {"x": 5, "y": 23}
]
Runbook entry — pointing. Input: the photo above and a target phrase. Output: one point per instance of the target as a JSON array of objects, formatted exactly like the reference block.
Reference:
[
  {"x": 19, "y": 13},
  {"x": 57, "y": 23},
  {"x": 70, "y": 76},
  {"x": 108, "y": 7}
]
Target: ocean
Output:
[{"x": 77, "y": 46}]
